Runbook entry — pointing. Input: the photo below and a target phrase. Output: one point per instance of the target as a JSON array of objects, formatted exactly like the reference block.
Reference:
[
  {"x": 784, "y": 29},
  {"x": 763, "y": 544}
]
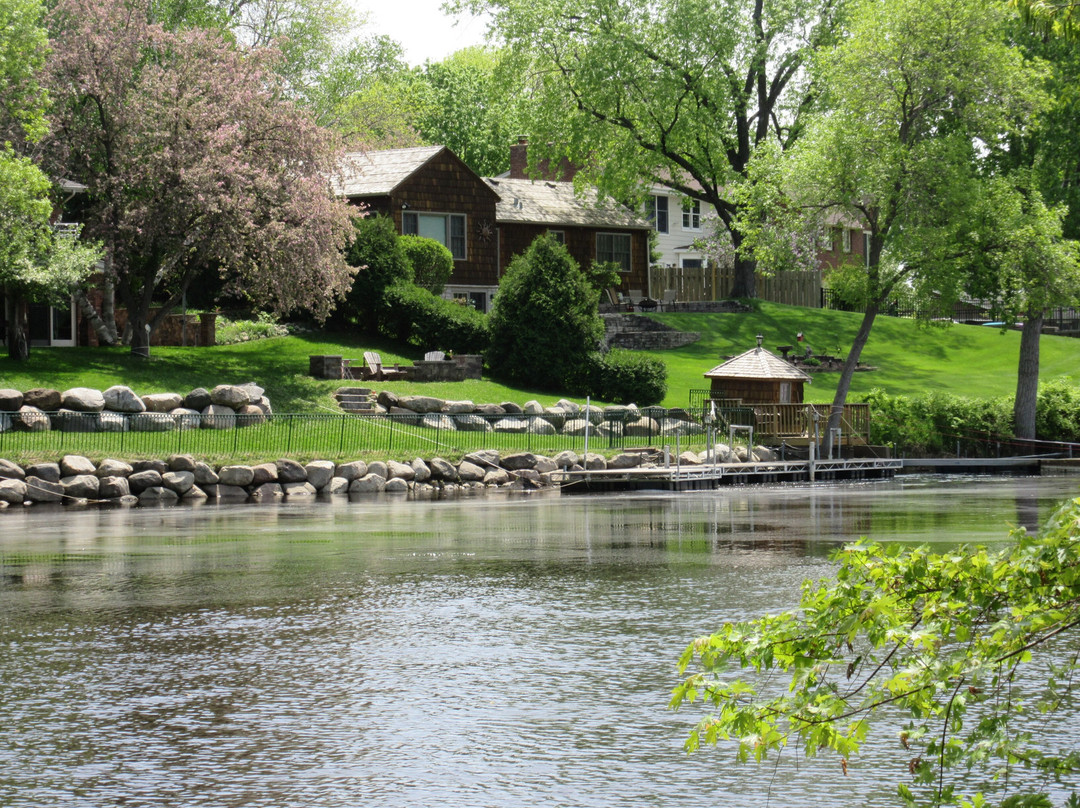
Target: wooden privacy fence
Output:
[{"x": 715, "y": 283}]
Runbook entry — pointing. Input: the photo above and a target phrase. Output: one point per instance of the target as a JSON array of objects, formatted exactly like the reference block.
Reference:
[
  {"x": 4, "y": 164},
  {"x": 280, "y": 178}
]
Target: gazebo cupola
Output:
[{"x": 758, "y": 377}]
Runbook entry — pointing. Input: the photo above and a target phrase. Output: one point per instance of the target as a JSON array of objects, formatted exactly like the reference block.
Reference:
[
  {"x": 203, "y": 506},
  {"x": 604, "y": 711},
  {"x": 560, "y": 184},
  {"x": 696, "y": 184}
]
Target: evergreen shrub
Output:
[
  {"x": 623, "y": 377},
  {"x": 432, "y": 263},
  {"x": 418, "y": 317}
]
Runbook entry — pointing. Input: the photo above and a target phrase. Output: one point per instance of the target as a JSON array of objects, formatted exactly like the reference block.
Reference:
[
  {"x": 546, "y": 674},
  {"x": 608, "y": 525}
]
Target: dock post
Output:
[{"x": 813, "y": 452}]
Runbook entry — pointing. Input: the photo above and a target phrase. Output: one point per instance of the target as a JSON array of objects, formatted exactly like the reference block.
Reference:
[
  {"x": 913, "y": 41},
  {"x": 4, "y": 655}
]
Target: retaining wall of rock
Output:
[
  {"x": 77, "y": 480},
  {"x": 120, "y": 409}
]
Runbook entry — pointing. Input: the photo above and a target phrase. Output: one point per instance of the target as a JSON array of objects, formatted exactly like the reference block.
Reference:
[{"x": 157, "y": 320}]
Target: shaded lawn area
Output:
[
  {"x": 279, "y": 365},
  {"x": 911, "y": 358}
]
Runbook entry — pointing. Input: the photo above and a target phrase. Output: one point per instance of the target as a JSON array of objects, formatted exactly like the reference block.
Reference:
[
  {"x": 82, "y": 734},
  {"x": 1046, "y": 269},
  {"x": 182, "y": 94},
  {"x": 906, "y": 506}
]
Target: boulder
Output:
[
  {"x": 484, "y": 458},
  {"x": 82, "y": 399},
  {"x": 545, "y": 465},
  {"x": 44, "y": 471},
  {"x": 289, "y": 471},
  {"x": 403, "y": 416},
  {"x": 194, "y": 494},
  {"x": 337, "y": 485},
  {"x": 229, "y": 395},
  {"x": 595, "y": 462},
  {"x": 351, "y": 471},
  {"x": 512, "y": 425},
  {"x": 421, "y": 470},
  {"x": 109, "y": 421},
  {"x": 41, "y": 490},
  {"x": 10, "y": 400},
  {"x": 120, "y": 398},
  {"x": 368, "y": 484},
  {"x": 11, "y": 471},
  {"x": 158, "y": 495},
  {"x": 154, "y": 464},
  {"x": 186, "y": 418},
  {"x": 12, "y": 491},
  {"x": 569, "y": 407},
  {"x": 179, "y": 481},
  {"x": 642, "y": 428},
  {"x": 555, "y": 417},
  {"x": 470, "y": 472},
  {"x": 388, "y": 400},
  {"x": 472, "y": 423},
  {"x": 151, "y": 421},
  {"x": 264, "y": 406},
  {"x": 71, "y": 465},
  {"x": 396, "y": 486},
  {"x": 299, "y": 489},
  {"x": 113, "y": 468},
  {"x": 566, "y": 459},
  {"x": 254, "y": 392},
  {"x": 497, "y": 477},
  {"x": 32, "y": 419},
  {"x": 520, "y": 460},
  {"x": 510, "y": 408},
  {"x": 541, "y": 426},
  {"x": 81, "y": 486},
  {"x": 533, "y": 408},
  {"x": 379, "y": 467},
  {"x": 689, "y": 459},
  {"x": 763, "y": 454},
  {"x": 264, "y": 473},
  {"x": 225, "y": 493},
  {"x": 218, "y": 416},
  {"x": 442, "y": 470},
  {"x": 42, "y": 398},
  {"x": 250, "y": 415},
  {"x": 67, "y": 420},
  {"x": 436, "y": 420},
  {"x": 576, "y": 427},
  {"x": 204, "y": 474},
  {"x": 319, "y": 473},
  {"x": 267, "y": 491},
  {"x": 490, "y": 409},
  {"x": 162, "y": 402},
  {"x": 181, "y": 462},
  {"x": 594, "y": 415},
  {"x": 198, "y": 399},
  {"x": 421, "y": 404},
  {"x": 139, "y": 481},
  {"x": 113, "y": 487},
  {"x": 457, "y": 407},
  {"x": 399, "y": 471}
]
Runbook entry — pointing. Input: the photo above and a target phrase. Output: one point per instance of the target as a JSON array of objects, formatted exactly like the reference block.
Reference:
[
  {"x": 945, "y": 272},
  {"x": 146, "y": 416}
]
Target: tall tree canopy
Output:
[
  {"x": 912, "y": 92},
  {"x": 195, "y": 163},
  {"x": 677, "y": 92}
]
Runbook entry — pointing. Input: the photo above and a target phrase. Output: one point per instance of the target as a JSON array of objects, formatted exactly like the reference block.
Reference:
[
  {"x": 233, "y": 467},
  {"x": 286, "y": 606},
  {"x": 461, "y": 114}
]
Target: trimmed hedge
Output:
[
  {"x": 623, "y": 377},
  {"x": 418, "y": 317}
]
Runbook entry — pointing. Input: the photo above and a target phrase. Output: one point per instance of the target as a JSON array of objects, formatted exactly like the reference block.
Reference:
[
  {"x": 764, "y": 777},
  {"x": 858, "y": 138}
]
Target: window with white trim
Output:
[
  {"x": 845, "y": 238},
  {"x": 691, "y": 214},
  {"x": 656, "y": 209},
  {"x": 558, "y": 235},
  {"x": 446, "y": 228},
  {"x": 614, "y": 247}
]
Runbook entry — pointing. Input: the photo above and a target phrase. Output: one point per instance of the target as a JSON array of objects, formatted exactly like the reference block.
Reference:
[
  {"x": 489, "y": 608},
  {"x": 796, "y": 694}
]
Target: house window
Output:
[
  {"x": 866, "y": 247},
  {"x": 614, "y": 247},
  {"x": 657, "y": 213},
  {"x": 558, "y": 235},
  {"x": 691, "y": 215},
  {"x": 446, "y": 228},
  {"x": 845, "y": 238},
  {"x": 827, "y": 239}
]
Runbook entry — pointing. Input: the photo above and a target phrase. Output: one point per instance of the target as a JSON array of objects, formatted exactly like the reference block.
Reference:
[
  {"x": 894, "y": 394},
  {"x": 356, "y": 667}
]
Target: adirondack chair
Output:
[
  {"x": 434, "y": 356},
  {"x": 373, "y": 369}
]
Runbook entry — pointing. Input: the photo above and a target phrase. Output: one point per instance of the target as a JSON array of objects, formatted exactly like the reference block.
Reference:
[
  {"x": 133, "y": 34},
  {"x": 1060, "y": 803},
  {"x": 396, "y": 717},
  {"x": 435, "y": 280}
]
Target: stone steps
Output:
[
  {"x": 639, "y": 333},
  {"x": 355, "y": 399}
]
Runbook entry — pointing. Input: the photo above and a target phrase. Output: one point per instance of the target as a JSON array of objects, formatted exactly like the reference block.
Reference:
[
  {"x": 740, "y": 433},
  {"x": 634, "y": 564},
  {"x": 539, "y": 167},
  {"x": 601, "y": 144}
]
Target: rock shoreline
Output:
[{"x": 77, "y": 480}]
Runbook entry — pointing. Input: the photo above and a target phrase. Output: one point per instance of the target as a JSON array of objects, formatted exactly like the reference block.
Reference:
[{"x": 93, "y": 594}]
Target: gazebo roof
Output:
[{"x": 758, "y": 363}]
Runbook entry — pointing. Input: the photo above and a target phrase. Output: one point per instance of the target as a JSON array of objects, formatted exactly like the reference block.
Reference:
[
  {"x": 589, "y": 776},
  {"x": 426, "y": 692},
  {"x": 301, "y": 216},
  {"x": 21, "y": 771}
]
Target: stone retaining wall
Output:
[
  {"x": 120, "y": 409},
  {"x": 77, "y": 480}
]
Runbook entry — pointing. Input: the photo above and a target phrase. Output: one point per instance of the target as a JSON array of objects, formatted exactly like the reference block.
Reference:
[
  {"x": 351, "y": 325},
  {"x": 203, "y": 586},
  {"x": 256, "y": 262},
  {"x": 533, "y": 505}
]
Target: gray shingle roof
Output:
[
  {"x": 555, "y": 203},
  {"x": 377, "y": 173},
  {"x": 757, "y": 363}
]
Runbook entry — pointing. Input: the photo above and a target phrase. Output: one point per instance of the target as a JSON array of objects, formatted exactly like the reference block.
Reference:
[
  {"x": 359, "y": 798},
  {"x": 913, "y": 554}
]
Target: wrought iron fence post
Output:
[{"x": 341, "y": 436}]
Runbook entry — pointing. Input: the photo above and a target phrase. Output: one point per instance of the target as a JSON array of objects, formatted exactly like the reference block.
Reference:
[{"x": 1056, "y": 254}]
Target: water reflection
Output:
[{"x": 495, "y": 652}]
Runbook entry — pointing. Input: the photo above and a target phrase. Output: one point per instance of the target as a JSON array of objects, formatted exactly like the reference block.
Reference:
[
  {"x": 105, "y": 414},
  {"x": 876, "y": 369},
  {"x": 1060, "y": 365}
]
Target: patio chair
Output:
[
  {"x": 669, "y": 298},
  {"x": 373, "y": 369},
  {"x": 434, "y": 356}
]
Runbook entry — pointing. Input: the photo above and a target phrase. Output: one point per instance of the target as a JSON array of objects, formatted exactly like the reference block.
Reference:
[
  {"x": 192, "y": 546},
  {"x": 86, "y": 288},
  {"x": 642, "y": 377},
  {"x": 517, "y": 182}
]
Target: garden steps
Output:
[
  {"x": 643, "y": 333},
  {"x": 355, "y": 399}
]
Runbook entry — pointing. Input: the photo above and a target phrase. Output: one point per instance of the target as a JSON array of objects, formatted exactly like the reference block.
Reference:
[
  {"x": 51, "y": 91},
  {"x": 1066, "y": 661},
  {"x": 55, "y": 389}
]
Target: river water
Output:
[{"x": 480, "y": 652}]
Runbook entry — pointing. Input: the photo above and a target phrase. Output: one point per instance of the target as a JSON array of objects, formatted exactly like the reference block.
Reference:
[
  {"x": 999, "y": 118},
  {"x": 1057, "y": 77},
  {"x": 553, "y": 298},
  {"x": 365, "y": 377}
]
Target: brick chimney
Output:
[{"x": 519, "y": 165}]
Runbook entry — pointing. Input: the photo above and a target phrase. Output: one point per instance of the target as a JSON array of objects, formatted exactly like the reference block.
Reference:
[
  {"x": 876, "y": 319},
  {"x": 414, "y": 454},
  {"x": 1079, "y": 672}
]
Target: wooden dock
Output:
[{"x": 706, "y": 477}]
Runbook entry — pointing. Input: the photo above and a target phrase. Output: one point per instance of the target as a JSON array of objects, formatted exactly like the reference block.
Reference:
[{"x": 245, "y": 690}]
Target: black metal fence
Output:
[{"x": 332, "y": 435}]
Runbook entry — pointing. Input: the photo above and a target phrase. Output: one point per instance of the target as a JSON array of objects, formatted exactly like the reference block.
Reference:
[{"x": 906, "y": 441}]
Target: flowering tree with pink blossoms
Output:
[{"x": 195, "y": 163}]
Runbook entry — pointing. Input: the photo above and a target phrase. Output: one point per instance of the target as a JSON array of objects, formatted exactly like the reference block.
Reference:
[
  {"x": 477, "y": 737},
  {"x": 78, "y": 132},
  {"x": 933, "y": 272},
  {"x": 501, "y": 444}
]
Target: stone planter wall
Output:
[{"x": 120, "y": 409}]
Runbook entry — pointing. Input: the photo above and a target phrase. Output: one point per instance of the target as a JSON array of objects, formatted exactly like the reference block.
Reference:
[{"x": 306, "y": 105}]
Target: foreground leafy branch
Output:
[{"x": 932, "y": 640}]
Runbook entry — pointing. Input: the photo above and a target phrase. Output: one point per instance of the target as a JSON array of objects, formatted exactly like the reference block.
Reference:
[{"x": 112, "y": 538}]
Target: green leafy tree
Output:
[
  {"x": 544, "y": 324},
  {"x": 381, "y": 263},
  {"x": 432, "y": 263},
  {"x": 933, "y": 640},
  {"x": 897, "y": 152},
  {"x": 676, "y": 92}
]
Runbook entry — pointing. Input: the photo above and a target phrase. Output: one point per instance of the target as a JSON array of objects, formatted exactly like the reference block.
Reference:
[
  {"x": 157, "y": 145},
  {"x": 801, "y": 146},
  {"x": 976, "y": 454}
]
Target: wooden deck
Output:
[{"x": 794, "y": 423}]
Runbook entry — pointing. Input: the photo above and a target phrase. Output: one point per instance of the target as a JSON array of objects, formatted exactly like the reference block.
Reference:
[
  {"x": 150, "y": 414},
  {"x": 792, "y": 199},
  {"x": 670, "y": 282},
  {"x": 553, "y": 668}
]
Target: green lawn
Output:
[{"x": 912, "y": 358}]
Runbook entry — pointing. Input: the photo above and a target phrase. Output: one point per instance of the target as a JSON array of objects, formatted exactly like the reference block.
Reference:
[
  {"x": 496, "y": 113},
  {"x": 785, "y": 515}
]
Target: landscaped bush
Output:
[
  {"x": 230, "y": 332},
  {"x": 432, "y": 262},
  {"x": 623, "y": 377},
  {"x": 381, "y": 264},
  {"x": 416, "y": 316},
  {"x": 933, "y": 424}
]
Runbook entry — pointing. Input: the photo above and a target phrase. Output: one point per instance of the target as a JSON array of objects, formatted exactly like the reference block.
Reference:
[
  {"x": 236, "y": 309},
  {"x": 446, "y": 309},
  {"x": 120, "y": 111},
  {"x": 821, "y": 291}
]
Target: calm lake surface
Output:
[{"x": 479, "y": 652}]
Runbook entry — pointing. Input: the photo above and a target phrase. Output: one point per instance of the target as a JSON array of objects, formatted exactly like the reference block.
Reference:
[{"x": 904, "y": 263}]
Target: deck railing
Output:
[{"x": 785, "y": 420}]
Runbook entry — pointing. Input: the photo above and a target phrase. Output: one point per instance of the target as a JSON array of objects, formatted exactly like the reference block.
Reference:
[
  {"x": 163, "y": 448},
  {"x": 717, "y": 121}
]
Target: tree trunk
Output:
[
  {"x": 846, "y": 374},
  {"x": 139, "y": 333},
  {"x": 745, "y": 278},
  {"x": 17, "y": 345},
  {"x": 1027, "y": 377},
  {"x": 105, "y": 334}
]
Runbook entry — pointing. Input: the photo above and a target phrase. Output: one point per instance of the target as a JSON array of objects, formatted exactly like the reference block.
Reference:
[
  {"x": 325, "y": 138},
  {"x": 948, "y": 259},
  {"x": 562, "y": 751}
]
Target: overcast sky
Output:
[{"x": 421, "y": 27}]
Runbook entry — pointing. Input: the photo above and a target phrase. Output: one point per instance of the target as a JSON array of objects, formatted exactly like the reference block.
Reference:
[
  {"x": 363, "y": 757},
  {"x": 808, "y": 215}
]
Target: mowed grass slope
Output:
[{"x": 911, "y": 359}]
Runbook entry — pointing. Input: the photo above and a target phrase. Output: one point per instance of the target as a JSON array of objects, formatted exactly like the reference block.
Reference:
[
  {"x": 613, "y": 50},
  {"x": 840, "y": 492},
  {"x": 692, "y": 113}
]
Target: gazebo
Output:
[{"x": 758, "y": 377}]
